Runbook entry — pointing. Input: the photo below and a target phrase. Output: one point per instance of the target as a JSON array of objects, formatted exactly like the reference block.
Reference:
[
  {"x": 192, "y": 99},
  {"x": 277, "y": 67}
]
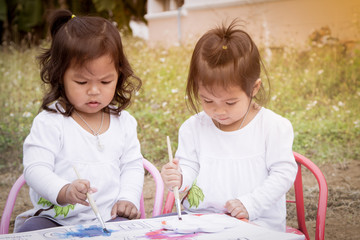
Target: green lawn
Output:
[{"x": 317, "y": 89}]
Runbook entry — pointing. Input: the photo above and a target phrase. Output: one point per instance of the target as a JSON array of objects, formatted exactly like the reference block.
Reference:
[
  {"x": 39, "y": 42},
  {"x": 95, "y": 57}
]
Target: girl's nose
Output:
[
  {"x": 219, "y": 111},
  {"x": 93, "y": 90}
]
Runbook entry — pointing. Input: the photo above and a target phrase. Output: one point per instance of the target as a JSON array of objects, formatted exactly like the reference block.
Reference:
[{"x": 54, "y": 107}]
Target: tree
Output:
[
  {"x": 24, "y": 21},
  {"x": 122, "y": 11}
]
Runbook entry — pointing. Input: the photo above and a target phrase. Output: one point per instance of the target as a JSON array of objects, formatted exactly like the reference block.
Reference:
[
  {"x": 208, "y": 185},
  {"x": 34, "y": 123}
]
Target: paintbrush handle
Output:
[
  {"x": 169, "y": 149},
  {"x": 92, "y": 203},
  {"x": 95, "y": 209},
  {"x": 76, "y": 172},
  {"x": 175, "y": 189},
  {"x": 176, "y": 192},
  {"x": 88, "y": 195}
]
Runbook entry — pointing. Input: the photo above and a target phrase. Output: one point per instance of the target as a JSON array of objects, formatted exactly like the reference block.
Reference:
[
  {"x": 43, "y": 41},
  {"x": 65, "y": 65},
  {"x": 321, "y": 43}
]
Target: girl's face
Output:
[
  {"x": 91, "y": 87},
  {"x": 226, "y": 107}
]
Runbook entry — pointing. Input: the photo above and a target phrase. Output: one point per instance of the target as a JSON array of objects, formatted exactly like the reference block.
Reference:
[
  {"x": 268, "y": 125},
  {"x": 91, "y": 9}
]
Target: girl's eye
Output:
[
  {"x": 207, "y": 101},
  {"x": 231, "y": 103},
  {"x": 105, "y": 82},
  {"x": 80, "y": 82}
]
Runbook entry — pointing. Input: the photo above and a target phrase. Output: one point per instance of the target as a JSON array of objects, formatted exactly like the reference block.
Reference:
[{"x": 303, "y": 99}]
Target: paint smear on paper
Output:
[
  {"x": 86, "y": 232},
  {"x": 169, "y": 235}
]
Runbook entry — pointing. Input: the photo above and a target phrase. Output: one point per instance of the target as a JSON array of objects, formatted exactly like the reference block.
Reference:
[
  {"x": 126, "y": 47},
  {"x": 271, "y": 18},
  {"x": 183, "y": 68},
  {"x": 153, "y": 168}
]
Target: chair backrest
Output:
[
  {"x": 299, "y": 198},
  {"x": 9, "y": 205},
  {"x": 158, "y": 201},
  {"x": 159, "y": 193}
]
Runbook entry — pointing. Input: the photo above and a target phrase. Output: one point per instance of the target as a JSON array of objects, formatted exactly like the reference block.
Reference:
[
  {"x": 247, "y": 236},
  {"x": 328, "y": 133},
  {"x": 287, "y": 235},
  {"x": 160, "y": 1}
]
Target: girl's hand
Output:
[
  {"x": 125, "y": 209},
  {"x": 75, "y": 192},
  {"x": 236, "y": 209},
  {"x": 171, "y": 175}
]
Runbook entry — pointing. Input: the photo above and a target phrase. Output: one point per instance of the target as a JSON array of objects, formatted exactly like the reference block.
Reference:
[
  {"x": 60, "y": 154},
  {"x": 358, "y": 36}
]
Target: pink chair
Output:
[
  {"x": 299, "y": 200},
  {"x": 158, "y": 201},
  {"x": 159, "y": 193},
  {"x": 9, "y": 206}
]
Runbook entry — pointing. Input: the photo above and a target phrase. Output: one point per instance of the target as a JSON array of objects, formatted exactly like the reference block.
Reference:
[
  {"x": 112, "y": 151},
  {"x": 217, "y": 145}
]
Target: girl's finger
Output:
[
  {"x": 133, "y": 213},
  {"x": 176, "y": 162},
  {"x": 114, "y": 211},
  {"x": 85, "y": 203},
  {"x": 241, "y": 215},
  {"x": 235, "y": 212},
  {"x": 230, "y": 209}
]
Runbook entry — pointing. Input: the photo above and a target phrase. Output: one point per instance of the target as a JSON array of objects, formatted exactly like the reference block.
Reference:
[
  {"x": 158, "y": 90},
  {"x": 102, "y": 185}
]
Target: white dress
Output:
[
  {"x": 254, "y": 164},
  {"x": 56, "y": 143}
]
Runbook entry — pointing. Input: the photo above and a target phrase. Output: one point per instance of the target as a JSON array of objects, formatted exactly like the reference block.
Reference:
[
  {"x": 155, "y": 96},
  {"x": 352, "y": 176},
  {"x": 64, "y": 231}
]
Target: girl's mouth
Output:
[
  {"x": 93, "y": 104},
  {"x": 222, "y": 119}
]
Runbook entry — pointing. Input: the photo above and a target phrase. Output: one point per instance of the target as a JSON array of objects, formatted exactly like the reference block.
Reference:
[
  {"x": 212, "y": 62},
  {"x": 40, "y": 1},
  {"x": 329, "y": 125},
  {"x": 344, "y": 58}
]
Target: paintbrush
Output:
[
  {"x": 175, "y": 189},
  {"x": 93, "y": 206}
]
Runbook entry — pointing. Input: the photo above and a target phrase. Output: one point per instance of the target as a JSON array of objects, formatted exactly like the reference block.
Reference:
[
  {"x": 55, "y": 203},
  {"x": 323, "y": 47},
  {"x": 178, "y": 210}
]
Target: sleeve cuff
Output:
[
  {"x": 53, "y": 194},
  {"x": 247, "y": 202}
]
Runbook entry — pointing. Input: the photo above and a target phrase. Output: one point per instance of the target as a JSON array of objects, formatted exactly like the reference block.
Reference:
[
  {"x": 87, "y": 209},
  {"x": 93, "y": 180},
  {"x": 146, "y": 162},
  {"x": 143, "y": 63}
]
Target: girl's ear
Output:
[{"x": 256, "y": 88}]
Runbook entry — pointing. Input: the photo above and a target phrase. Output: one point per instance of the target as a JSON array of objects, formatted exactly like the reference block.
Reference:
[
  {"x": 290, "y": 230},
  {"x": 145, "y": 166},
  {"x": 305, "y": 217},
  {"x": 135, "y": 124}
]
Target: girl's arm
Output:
[
  {"x": 131, "y": 182},
  {"x": 40, "y": 148},
  {"x": 281, "y": 167},
  {"x": 132, "y": 170},
  {"x": 186, "y": 153},
  {"x": 131, "y": 186}
]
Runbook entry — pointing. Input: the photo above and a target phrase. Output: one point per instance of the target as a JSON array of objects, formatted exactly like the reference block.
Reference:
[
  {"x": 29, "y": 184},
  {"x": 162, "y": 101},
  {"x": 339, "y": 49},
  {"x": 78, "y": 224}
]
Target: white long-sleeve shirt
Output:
[
  {"x": 254, "y": 164},
  {"x": 56, "y": 143}
]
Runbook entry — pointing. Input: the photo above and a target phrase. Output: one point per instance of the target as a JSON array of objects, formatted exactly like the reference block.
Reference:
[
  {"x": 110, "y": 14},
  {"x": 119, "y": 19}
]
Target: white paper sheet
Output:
[{"x": 207, "y": 227}]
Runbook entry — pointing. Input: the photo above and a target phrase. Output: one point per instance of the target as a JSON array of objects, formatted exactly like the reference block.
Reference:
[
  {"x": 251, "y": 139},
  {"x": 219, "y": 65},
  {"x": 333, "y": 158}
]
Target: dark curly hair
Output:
[
  {"x": 225, "y": 56},
  {"x": 79, "y": 40}
]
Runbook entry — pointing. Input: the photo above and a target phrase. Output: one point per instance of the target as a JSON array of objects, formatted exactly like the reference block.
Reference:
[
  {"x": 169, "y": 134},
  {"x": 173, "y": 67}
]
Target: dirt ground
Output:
[{"x": 343, "y": 212}]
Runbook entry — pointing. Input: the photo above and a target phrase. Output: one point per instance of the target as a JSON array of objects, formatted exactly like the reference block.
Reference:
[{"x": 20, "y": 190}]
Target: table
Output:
[{"x": 227, "y": 228}]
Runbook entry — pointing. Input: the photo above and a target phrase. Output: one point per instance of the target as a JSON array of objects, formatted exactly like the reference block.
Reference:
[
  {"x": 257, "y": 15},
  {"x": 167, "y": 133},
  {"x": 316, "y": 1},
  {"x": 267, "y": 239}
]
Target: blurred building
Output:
[{"x": 269, "y": 22}]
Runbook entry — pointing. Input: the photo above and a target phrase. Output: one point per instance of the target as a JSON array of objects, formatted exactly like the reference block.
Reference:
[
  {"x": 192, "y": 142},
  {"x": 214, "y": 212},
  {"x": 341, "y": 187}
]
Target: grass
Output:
[{"x": 317, "y": 89}]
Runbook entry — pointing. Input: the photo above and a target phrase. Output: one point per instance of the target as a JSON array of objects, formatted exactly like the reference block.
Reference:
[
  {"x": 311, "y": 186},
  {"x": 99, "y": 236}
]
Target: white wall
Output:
[{"x": 269, "y": 22}]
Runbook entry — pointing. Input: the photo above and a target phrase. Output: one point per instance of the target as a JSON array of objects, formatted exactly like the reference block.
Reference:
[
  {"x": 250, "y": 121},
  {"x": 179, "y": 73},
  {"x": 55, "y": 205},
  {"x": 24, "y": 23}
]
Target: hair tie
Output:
[
  {"x": 72, "y": 16},
  {"x": 224, "y": 47}
]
